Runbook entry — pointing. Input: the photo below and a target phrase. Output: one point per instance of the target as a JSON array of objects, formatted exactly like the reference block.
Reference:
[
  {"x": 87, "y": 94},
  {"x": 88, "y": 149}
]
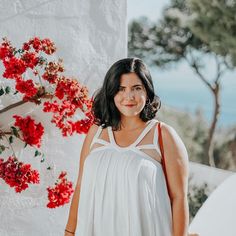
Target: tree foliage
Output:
[
  {"x": 168, "y": 40},
  {"x": 215, "y": 24},
  {"x": 196, "y": 197}
]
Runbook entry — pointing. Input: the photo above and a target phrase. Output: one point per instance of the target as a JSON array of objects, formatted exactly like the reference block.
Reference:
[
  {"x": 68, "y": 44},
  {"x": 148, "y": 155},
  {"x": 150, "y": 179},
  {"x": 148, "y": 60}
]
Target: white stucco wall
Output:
[{"x": 90, "y": 35}]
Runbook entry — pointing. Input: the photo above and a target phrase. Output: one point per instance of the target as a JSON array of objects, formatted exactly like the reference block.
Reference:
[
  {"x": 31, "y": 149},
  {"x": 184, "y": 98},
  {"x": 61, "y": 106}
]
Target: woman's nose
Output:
[{"x": 129, "y": 95}]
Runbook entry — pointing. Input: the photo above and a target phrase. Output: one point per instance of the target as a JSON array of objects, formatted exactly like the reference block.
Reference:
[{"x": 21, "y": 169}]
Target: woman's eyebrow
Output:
[{"x": 136, "y": 85}]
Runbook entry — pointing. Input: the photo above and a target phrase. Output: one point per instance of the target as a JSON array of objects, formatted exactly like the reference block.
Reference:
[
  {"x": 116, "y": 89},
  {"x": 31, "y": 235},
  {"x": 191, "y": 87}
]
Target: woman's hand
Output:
[{"x": 68, "y": 233}]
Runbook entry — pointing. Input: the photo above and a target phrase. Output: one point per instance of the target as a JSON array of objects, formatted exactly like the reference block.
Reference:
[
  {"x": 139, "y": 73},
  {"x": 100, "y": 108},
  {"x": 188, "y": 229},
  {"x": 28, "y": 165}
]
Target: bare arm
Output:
[
  {"x": 176, "y": 159},
  {"x": 73, "y": 213}
]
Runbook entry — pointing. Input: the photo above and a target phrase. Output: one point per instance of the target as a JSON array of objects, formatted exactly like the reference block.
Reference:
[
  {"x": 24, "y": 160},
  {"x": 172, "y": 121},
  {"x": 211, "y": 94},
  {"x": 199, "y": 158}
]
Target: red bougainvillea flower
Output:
[
  {"x": 65, "y": 110},
  {"x": 67, "y": 128},
  {"x": 13, "y": 67},
  {"x": 52, "y": 71},
  {"x": 17, "y": 174},
  {"x": 73, "y": 96},
  {"x": 32, "y": 133},
  {"x": 26, "y": 47},
  {"x": 82, "y": 126},
  {"x": 48, "y": 46},
  {"x": 30, "y": 59},
  {"x": 51, "y": 107},
  {"x": 45, "y": 45},
  {"x": 26, "y": 87},
  {"x": 69, "y": 93},
  {"x": 3, "y": 52},
  {"x": 36, "y": 44},
  {"x": 68, "y": 87},
  {"x": 60, "y": 193},
  {"x": 6, "y": 50}
]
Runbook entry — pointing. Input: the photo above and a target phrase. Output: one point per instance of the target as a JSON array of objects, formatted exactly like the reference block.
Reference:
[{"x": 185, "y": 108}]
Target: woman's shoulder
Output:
[
  {"x": 166, "y": 128},
  {"x": 93, "y": 130},
  {"x": 170, "y": 137},
  {"x": 167, "y": 131},
  {"x": 163, "y": 124}
]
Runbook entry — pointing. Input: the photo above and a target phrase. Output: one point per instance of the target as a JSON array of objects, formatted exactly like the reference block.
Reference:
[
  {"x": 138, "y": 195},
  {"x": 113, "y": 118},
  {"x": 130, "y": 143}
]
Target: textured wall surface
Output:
[{"x": 90, "y": 35}]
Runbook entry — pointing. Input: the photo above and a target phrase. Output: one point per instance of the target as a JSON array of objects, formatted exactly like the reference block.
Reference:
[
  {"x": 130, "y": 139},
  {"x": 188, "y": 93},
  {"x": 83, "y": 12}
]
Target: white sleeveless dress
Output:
[{"x": 123, "y": 190}]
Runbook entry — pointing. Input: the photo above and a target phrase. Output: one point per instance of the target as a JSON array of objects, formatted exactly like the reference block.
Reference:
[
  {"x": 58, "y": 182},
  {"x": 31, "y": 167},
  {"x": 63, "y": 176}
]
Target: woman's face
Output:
[{"x": 131, "y": 97}]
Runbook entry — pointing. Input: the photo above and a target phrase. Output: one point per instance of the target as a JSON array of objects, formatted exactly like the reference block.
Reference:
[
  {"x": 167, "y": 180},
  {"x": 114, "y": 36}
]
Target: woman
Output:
[{"x": 122, "y": 189}]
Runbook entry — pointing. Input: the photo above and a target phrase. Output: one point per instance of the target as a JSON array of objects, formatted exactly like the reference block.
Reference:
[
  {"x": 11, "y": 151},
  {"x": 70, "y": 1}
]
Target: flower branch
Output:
[{"x": 65, "y": 98}]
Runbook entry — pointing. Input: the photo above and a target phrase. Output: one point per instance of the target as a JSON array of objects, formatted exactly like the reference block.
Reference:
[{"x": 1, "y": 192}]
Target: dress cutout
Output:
[{"x": 123, "y": 190}]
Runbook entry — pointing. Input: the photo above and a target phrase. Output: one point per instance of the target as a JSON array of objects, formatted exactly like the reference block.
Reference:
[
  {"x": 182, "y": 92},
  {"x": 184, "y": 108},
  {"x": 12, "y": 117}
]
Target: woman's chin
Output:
[{"x": 130, "y": 114}]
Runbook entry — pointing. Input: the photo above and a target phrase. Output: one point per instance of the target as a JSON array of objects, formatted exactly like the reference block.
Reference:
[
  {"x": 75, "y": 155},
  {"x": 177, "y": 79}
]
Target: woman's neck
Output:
[{"x": 131, "y": 123}]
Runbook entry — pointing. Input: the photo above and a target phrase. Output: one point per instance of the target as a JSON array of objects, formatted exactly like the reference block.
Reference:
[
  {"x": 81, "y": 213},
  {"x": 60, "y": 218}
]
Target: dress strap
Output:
[
  {"x": 155, "y": 139},
  {"x": 146, "y": 146},
  {"x": 111, "y": 138},
  {"x": 95, "y": 138},
  {"x": 148, "y": 127},
  {"x": 144, "y": 132},
  {"x": 160, "y": 141}
]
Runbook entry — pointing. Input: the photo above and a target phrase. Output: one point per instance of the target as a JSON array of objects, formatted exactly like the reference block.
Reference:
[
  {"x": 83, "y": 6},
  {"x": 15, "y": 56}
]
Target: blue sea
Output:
[{"x": 180, "y": 88}]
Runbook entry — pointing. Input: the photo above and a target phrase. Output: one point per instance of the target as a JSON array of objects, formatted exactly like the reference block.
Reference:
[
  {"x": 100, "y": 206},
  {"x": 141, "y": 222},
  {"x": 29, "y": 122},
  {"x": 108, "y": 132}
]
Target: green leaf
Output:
[
  {"x": 15, "y": 92},
  {"x": 37, "y": 153},
  {"x": 42, "y": 160},
  {"x": 11, "y": 139},
  {"x": 15, "y": 131},
  {"x": 25, "y": 145},
  {"x": 1, "y": 91},
  {"x": 7, "y": 90},
  {"x": 49, "y": 168},
  {"x": 2, "y": 149}
]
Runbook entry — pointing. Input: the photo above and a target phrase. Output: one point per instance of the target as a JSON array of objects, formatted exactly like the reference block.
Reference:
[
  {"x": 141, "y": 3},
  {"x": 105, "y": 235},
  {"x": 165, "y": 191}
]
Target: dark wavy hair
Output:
[{"x": 104, "y": 109}]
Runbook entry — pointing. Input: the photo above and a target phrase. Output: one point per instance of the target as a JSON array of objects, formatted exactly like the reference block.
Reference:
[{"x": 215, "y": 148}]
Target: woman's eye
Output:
[
  {"x": 122, "y": 89},
  {"x": 138, "y": 88}
]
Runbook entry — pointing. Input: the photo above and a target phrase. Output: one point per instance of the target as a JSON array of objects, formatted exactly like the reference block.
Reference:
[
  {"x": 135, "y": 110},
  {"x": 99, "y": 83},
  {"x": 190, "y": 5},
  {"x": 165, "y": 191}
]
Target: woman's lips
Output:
[{"x": 130, "y": 105}]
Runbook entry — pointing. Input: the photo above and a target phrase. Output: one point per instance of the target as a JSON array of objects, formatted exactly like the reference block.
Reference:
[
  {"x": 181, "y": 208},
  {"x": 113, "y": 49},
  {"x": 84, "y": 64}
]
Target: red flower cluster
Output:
[
  {"x": 14, "y": 68},
  {"x": 60, "y": 118},
  {"x": 27, "y": 88},
  {"x": 32, "y": 133},
  {"x": 60, "y": 194},
  {"x": 72, "y": 90},
  {"x": 73, "y": 96},
  {"x": 6, "y": 50},
  {"x": 17, "y": 174},
  {"x": 52, "y": 70},
  {"x": 45, "y": 45},
  {"x": 82, "y": 126},
  {"x": 30, "y": 59},
  {"x": 67, "y": 97}
]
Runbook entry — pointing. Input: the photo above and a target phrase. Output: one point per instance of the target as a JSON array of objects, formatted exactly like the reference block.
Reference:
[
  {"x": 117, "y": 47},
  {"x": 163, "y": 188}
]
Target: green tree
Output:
[
  {"x": 214, "y": 23},
  {"x": 172, "y": 40},
  {"x": 197, "y": 195}
]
